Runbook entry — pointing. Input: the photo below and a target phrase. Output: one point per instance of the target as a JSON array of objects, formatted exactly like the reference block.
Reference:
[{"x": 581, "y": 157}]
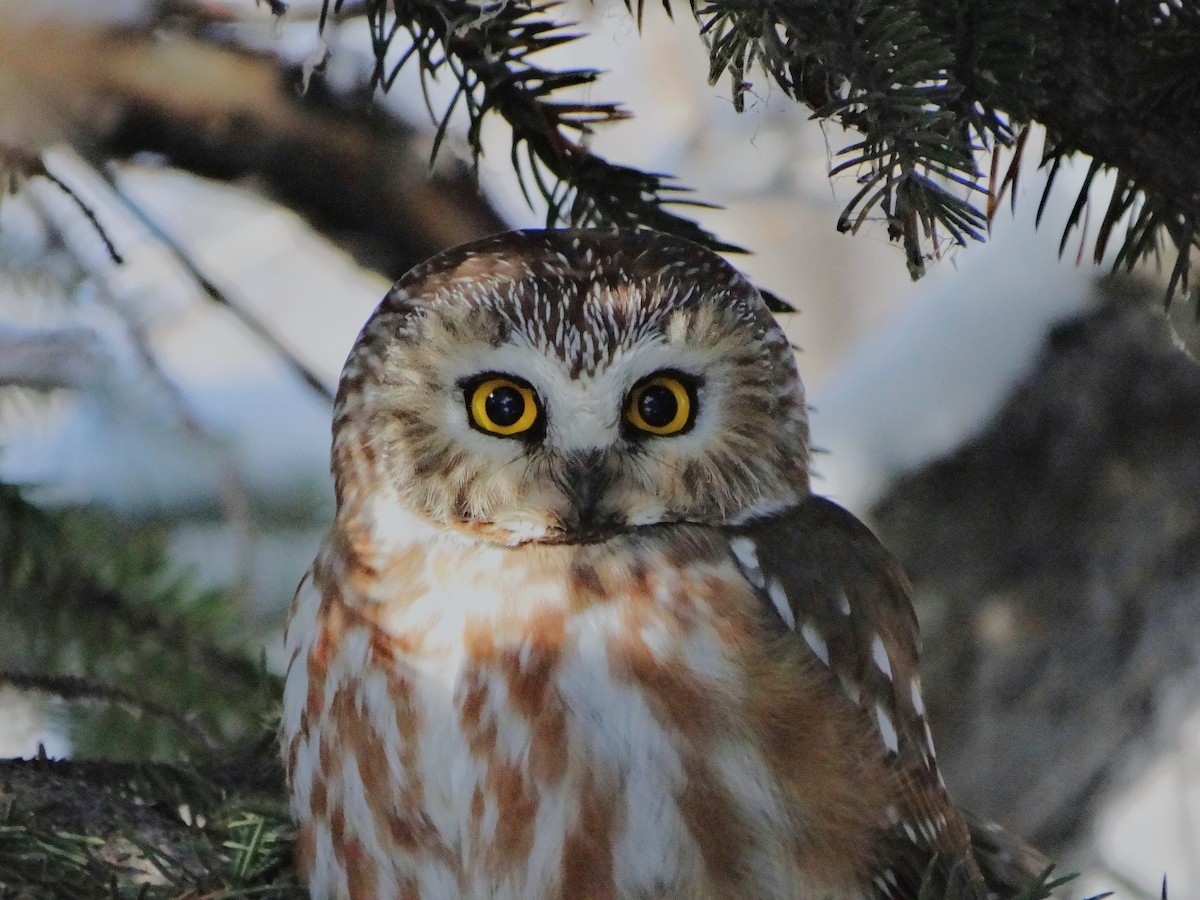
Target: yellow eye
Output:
[
  {"x": 661, "y": 405},
  {"x": 502, "y": 406}
]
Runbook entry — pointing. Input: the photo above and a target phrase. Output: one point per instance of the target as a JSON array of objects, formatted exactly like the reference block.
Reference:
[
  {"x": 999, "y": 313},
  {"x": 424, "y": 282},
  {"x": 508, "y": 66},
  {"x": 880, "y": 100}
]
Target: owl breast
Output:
[{"x": 559, "y": 721}]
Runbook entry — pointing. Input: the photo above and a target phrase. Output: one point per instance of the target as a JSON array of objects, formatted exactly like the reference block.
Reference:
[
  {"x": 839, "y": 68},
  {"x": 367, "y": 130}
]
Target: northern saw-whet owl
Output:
[{"x": 580, "y": 628}]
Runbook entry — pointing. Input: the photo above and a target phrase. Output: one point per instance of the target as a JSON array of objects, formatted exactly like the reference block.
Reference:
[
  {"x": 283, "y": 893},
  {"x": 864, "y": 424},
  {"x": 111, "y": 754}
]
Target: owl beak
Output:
[{"x": 586, "y": 479}]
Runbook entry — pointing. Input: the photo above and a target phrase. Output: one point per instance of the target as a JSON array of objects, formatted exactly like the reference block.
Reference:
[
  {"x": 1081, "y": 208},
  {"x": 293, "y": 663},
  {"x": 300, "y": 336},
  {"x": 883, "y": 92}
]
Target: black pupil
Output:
[
  {"x": 505, "y": 406},
  {"x": 658, "y": 406}
]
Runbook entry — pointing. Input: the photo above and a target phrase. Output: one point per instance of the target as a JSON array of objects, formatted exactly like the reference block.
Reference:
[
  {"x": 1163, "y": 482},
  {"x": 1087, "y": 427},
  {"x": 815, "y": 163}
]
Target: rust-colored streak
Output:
[
  {"x": 676, "y": 696},
  {"x": 319, "y": 796},
  {"x": 337, "y": 832},
  {"x": 516, "y": 807},
  {"x": 306, "y": 850},
  {"x": 472, "y": 697},
  {"x": 330, "y": 754},
  {"x": 711, "y": 817},
  {"x": 526, "y": 653},
  {"x": 548, "y": 748},
  {"x": 404, "y": 829},
  {"x": 587, "y": 858},
  {"x": 316, "y": 696},
  {"x": 362, "y": 880},
  {"x": 478, "y": 808},
  {"x": 529, "y": 666},
  {"x": 331, "y": 625},
  {"x": 481, "y": 733}
]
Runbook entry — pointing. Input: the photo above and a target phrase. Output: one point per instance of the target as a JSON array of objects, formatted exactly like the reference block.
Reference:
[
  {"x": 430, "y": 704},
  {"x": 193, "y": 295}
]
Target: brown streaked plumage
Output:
[{"x": 588, "y": 633}]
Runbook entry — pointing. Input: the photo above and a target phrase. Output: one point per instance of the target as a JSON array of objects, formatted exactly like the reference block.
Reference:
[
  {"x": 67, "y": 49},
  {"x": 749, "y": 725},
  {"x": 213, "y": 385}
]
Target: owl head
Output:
[{"x": 564, "y": 386}]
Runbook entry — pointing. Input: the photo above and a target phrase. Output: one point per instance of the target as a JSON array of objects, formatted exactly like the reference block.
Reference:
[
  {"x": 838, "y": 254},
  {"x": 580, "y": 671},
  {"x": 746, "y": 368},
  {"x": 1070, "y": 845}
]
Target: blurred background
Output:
[{"x": 1020, "y": 429}]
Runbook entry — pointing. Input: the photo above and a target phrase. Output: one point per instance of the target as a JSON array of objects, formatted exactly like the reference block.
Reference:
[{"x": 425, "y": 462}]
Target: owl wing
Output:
[{"x": 835, "y": 586}]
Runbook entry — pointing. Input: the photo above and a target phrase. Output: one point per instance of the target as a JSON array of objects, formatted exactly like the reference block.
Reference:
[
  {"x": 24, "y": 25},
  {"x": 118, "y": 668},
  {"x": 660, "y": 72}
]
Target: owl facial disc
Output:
[{"x": 564, "y": 386}]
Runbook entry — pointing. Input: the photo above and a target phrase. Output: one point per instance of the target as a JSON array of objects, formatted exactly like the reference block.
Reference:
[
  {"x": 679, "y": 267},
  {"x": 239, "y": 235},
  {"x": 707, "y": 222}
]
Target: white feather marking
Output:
[
  {"x": 929, "y": 740},
  {"x": 879, "y": 655},
  {"x": 843, "y": 602},
  {"x": 886, "y": 728},
  {"x": 815, "y": 641},
  {"x": 917, "y": 702},
  {"x": 912, "y": 835},
  {"x": 747, "y": 556},
  {"x": 779, "y": 597},
  {"x": 849, "y": 686},
  {"x": 326, "y": 871}
]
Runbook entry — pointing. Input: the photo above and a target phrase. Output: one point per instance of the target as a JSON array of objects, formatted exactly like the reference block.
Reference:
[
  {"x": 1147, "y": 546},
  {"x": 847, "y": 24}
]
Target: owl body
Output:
[
  {"x": 580, "y": 629},
  {"x": 613, "y": 719}
]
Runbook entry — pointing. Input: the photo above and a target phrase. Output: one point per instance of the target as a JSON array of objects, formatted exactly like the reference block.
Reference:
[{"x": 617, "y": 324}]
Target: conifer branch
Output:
[
  {"x": 931, "y": 86},
  {"x": 487, "y": 50}
]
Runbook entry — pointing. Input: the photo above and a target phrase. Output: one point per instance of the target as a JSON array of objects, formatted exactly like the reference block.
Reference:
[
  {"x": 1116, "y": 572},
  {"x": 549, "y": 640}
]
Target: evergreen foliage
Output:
[
  {"x": 180, "y": 790},
  {"x": 932, "y": 88},
  {"x": 93, "y": 617},
  {"x": 487, "y": 49}
]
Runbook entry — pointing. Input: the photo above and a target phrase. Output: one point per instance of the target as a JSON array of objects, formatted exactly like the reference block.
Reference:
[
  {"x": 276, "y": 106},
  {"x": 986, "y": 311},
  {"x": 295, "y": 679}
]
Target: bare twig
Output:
[
  {"x": 221, "y": 297},
  {"x": 18, "y": 165},
  {"x": 234, "y": 493}
]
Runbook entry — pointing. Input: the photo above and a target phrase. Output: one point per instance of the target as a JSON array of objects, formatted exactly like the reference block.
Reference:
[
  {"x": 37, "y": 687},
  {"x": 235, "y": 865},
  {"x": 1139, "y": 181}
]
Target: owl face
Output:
[{"x": 564, "y": 386}]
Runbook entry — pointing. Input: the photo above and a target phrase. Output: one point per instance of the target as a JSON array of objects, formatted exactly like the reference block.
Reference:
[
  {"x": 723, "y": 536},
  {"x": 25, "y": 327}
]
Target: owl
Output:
[{"x": 580, "y": 628}]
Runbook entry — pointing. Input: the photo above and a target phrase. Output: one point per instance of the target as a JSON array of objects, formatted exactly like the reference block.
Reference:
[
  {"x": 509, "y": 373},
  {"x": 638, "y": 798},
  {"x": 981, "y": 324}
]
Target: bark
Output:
[{"x": 1056, "y": 560}]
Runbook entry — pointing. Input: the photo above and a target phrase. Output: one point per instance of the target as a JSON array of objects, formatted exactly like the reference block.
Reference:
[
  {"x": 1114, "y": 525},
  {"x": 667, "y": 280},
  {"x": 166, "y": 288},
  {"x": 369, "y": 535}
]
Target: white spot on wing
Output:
[
  {"x": 879, "y": 654},
  {"x": 849, "y": 686},
  {"x": 843, "y": 603},
  {"x": 780, "y": 598},
  {"x": 747, "y": 556},
  {"x": 886, "y": 728},
  {"x": 816, "y": 642},
  {"x": 928, "y": 831},
  {"x": 917, "y": 702}
]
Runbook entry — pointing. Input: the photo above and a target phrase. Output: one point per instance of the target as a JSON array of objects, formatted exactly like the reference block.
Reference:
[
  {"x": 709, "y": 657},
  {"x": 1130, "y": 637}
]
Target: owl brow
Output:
[{"x": 469, "y": 381}]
